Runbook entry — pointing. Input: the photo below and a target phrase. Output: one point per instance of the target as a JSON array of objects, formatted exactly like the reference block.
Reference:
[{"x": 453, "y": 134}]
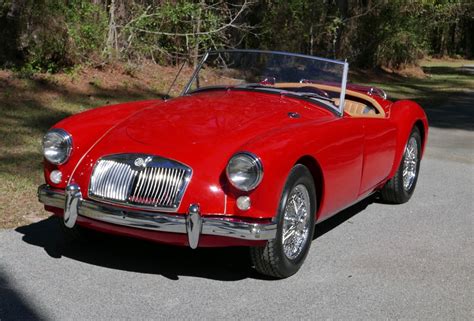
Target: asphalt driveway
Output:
[{"x": 372, "y": 261}]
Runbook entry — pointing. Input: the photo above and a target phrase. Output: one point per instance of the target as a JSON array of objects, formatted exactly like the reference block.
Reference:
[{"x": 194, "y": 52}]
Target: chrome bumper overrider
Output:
[{"x": 192, "y": 224}]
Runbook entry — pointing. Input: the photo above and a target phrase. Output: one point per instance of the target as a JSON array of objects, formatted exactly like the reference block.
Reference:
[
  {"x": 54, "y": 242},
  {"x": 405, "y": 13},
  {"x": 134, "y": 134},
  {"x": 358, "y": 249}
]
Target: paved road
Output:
[{"x": 372, "y": 261}]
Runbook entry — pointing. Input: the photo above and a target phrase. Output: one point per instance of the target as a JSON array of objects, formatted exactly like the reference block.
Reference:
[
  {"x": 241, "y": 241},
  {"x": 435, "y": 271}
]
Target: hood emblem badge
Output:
[{"x": 140, "y": 162}]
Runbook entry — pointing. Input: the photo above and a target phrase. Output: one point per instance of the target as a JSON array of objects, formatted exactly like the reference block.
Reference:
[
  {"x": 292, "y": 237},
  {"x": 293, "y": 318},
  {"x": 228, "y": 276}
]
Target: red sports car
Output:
[{"x": 259, "y": 147}]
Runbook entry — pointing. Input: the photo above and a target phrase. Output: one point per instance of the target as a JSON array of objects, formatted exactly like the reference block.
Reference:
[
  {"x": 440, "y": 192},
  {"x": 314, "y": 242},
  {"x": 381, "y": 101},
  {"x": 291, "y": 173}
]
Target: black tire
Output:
[
  {"x": 75, "y": 234},
  {"x": 271, "y": 260},
  {"x": 394, "y": 191}
]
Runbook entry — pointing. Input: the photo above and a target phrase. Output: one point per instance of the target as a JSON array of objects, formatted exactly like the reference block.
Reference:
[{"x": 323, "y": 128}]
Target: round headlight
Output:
[
  {"x": 57, "y": 146},
  {"x": 244, "y": 171}
]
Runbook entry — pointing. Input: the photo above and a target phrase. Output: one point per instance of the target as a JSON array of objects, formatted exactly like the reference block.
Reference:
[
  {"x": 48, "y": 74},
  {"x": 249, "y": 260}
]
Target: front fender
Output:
[
  {"x": 279, "y": 151},
  {"x": 86, "y": 129}
]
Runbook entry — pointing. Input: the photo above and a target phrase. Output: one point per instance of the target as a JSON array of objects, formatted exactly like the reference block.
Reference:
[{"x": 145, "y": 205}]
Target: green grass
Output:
[
  {"x": 28, "y": 108},
  {"x": 440, "y": 82},
  {"x": 446, "y": 92},
  {"x": 453, "y": 63}
]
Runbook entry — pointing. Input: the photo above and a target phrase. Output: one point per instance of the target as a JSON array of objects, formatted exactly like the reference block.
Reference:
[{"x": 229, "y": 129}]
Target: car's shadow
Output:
[{"x": 127, "y": 254}]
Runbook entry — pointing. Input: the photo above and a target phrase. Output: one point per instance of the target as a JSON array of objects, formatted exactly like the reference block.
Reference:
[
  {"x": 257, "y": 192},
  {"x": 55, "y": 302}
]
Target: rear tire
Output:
[
  {"x": 400, "y": 188},
  {"x": 284, "y": 255}
]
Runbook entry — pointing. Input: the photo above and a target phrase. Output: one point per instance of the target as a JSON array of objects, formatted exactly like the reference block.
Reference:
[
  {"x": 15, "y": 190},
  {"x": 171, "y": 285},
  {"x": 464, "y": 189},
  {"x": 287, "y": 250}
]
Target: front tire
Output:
[
  {"x": 284, "y": 255},
  {"x": 400, "y": 188}
]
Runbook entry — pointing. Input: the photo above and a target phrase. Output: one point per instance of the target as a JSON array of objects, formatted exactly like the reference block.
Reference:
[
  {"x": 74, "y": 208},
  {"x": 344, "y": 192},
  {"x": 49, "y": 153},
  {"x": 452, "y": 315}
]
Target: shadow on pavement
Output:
[
  {"x": 13, "y": 305},
  {"x": 127, "y": 254},
  {"x": 455, "y": 112},
  {"x": 341, "y": 217}
]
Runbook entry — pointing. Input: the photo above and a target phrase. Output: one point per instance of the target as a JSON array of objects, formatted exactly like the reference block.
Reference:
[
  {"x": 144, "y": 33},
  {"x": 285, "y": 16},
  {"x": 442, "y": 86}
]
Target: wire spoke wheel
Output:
[
  {"x": 410, "y": 163},
  {"x": 401, "y": 186},
  {"x": 296, "y": 222},
  {"x": 284, "y": 255}
]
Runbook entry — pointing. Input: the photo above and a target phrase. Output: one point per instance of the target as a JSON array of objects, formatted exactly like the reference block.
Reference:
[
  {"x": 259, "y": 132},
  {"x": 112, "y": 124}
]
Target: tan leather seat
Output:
[
  {"x": 356, "y": 108},
  {"x": 352, "y": 108}
]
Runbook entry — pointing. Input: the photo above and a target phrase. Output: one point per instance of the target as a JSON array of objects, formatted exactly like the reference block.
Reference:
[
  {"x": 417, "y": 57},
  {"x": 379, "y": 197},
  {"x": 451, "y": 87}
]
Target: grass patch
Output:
[
  {"x": 30, "y": 106},
  {"x": 446, "y": 91}
]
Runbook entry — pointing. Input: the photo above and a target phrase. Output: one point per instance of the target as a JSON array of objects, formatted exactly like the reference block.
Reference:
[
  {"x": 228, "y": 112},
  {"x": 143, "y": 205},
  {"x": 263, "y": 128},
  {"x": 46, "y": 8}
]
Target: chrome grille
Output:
[{"x": 142, "y": 180}]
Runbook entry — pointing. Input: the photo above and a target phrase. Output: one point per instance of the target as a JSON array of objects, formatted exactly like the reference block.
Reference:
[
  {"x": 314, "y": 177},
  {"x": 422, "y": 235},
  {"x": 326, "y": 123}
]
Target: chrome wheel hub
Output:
[
  {"x": 410, "y": 163},
  {"x": 296, "y": 221}
]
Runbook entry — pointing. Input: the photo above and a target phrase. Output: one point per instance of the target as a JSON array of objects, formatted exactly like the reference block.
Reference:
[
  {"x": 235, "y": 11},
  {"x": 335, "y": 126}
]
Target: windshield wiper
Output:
[
  {"x": 284, "y": 91},
  {"x": 254, "y": 85},
  {"x": 258, "y": 86},
  {"x": 309, "y": 95}
]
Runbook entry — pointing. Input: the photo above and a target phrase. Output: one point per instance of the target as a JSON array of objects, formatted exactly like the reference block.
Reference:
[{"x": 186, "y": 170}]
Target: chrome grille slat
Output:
[
  {"x": 168, "y": 185},
  {"x": 162, "y": 186},
  {"x": 178, "y": 185},
  {"x": 127, "y": 186},
  {"x": 139, "y": 185},
  {"x": 150, "y": 182},
  {"x": 123, "y": 177},
  {"x": 151, "y": 178},
  {"x": 172, "y": 185},
  {"x": 110, "y": 180},
  {"x": 158, "y": 185},
  {"x": 118, "y": 186},
  {"x": 147, "y": 184},
  {"x": 159, "y": 174}
]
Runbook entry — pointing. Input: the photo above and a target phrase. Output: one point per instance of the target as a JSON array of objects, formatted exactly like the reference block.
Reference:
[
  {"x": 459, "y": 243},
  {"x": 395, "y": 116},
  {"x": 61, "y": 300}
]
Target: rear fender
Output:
[{"x": 406, "y": 114}]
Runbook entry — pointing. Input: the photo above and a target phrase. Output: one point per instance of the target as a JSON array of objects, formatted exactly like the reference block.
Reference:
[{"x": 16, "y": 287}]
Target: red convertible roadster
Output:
[{"x": 259, "y": 147}]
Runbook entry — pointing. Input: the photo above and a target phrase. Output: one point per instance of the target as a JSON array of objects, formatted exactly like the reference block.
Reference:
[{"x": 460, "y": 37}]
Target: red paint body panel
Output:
[
  {"x": 203, "y": 131},
  {"x": 404, "y": 114}
]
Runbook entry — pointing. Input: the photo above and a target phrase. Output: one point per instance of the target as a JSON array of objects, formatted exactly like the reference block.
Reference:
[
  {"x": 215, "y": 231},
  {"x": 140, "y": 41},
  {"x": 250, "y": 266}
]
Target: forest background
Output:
[{"x": 53, "y": 35}]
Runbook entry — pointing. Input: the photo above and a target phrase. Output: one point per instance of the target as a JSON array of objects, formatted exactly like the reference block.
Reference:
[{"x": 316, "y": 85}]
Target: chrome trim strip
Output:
[
  {"x": 342, "y": 97},
  {"x": 162, "y": 222}
]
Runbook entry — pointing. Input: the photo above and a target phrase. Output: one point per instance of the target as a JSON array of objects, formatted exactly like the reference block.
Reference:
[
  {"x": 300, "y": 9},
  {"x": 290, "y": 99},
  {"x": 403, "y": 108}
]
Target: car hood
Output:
[
  {"x": 212, "y": 118},
  {"x": 202, "y": 131},
  {"x": 207, "y": 122}
]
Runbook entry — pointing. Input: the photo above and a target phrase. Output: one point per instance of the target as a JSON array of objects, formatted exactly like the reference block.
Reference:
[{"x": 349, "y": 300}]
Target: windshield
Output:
[{"x": 313, "y": 78}]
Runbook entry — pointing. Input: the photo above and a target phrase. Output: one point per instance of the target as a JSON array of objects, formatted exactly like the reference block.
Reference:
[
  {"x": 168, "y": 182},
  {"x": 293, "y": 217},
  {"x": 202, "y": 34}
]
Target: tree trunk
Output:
[
  {"x": 112, "y": 44},
  {"x": 442, "y": 48},
  {"x": 11, "y": 29},
  {"x": 195, "y": 54}
]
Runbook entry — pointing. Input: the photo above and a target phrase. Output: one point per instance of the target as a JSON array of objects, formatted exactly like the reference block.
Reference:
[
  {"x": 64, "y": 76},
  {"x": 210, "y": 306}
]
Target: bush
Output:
[
  {"x": 50, "y": 35},
  {"x": 401, "y": 49}
]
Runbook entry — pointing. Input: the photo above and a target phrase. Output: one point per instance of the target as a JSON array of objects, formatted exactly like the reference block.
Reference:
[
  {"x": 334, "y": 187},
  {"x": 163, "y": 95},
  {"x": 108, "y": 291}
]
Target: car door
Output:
[
  {"x": 379, "y": 151},
  {"x": 340, "y": 153}
]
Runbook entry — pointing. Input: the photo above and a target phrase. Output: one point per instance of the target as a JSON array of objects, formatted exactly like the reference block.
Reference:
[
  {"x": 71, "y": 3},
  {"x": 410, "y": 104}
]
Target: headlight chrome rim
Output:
[
  {"x": 257, "y": 162},
  {"x": 66, "y": 138}
]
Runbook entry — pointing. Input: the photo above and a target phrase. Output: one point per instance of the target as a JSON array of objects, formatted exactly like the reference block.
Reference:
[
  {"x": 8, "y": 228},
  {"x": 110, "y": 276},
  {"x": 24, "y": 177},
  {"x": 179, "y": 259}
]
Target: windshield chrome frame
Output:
[{"x": 339, "y": 109}]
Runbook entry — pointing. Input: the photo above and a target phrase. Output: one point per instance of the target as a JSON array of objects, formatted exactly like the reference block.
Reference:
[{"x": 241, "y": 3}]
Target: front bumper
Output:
[{"x": 192, "y": 224}]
